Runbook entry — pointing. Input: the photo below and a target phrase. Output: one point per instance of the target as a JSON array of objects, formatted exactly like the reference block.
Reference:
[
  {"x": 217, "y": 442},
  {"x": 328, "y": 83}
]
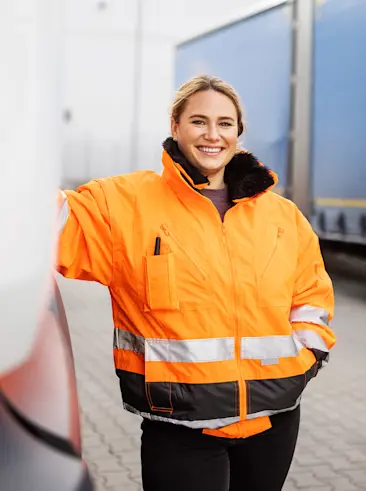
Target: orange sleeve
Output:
[
  {"x": 85, "y": 243},
  {"x": 313, "y": 298}
]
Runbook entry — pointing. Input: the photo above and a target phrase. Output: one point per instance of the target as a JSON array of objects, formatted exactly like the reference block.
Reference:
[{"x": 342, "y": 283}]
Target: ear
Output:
[{"x": 174, "y": 128}]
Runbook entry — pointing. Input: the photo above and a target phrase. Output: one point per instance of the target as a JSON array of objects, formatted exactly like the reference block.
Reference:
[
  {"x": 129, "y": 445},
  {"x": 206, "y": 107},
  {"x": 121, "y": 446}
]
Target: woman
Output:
[{"x": 221, "y": 302}]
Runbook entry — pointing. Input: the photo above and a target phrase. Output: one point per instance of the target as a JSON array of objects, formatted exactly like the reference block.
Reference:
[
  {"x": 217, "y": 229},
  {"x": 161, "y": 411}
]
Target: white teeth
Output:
[{"x": 210, "y": 149}]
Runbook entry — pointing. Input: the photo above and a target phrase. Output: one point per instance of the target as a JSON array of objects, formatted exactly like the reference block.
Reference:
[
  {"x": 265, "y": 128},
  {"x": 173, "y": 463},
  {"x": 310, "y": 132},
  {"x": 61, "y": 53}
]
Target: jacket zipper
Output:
[
  {"x": 168, "y": 233},
  {"x": 242, "y": 385}
]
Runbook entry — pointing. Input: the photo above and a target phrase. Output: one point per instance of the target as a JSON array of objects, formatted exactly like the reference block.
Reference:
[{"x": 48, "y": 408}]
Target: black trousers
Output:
[{"x": 176, "y": 458}]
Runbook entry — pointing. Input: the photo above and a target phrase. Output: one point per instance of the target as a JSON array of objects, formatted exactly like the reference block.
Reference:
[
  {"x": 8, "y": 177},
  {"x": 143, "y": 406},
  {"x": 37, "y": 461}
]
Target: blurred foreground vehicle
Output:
[
  {"x": 40, "y": 444},
  {"x": 300, "y": 69}
]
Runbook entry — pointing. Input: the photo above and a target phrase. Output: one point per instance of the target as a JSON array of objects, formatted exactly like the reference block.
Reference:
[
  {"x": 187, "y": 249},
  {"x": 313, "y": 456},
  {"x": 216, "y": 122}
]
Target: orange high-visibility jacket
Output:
[{"x": 218, "y": 325}]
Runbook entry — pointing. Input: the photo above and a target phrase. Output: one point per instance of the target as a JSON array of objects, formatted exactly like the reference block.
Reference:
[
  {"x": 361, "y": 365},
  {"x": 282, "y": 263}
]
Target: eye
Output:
[
  {"x": 198, "y": 122},
  {"x": 226, "y": 123}
]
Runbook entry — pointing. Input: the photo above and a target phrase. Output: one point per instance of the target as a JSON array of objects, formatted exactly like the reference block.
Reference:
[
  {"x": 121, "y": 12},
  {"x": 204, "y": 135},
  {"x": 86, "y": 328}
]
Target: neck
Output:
[{"x": 217, "y": 180}]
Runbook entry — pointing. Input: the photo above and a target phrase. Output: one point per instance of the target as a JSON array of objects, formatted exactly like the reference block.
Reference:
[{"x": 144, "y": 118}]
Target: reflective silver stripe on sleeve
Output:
[
  {"x": 64, "y": 213},
  {"x": 307, "y": 313},
  {"x": 190, "y": 351},
  {"x": 312, "y": 340},
  {"x": 211, "y": 424},
  {"x": 270, "y": 348},
  {"x": 128, "y": 341}
]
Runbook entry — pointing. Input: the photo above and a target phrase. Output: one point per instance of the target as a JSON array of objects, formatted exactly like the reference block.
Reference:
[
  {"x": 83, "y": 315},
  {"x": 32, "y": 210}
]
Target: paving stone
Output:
[
  {"x": 357, "y": 476},
  {"x": 356, "y": 455},
  {"x": 307, "y": 480},
  {"x": 120, "y": 478},
  {"x": 343, "y": 484},
  {"x": 324, "y": 472},
  {"x": 341, "y": 463},
  {"x": 108, "y": 465}
]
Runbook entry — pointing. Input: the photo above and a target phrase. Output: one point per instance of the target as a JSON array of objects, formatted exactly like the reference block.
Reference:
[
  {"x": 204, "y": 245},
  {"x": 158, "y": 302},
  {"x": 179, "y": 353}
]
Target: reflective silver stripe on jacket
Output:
[
  {"x": 173, "y": 350},
  {"x": 211, "y": 424},
  {"x": 63, "y": 214},
  {"x": 307, "y": 313},
  {"x": 190, "y": 351},
  {"x": 270, "y": 348}
]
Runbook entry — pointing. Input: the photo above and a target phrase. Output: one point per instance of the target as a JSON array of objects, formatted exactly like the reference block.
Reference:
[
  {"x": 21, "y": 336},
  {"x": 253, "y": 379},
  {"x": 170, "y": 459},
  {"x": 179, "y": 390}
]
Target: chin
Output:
[
  {"x": 211, "y": 165},
  {"x": 209, "y": 171}
]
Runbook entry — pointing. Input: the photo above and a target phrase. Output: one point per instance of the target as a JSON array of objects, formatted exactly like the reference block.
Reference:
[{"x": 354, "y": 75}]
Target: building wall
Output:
[{"x": 116, "y": 112}]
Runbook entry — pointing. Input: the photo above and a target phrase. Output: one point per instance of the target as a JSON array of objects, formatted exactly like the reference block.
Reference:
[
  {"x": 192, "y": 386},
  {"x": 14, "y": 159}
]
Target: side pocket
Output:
[
  {"x": 159, "y": 396},
  {"x": 161, "y": 287}
]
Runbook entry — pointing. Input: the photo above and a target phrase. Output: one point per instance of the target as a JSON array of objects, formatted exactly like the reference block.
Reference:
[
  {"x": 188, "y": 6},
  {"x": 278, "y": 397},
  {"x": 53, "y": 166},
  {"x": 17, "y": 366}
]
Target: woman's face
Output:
[{"x": 207, "y": 132}]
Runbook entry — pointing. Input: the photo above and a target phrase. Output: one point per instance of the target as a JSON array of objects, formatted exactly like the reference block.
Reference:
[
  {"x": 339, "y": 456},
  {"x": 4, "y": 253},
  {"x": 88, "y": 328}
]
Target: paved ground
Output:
[{"x": 331, "y": 453}]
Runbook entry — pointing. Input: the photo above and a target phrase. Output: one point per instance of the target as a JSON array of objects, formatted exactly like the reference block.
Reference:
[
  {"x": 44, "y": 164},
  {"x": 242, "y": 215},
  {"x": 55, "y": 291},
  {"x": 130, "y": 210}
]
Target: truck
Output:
[
  {"x": 300, "y": 70},
  {"x": 40, "y": 436}
]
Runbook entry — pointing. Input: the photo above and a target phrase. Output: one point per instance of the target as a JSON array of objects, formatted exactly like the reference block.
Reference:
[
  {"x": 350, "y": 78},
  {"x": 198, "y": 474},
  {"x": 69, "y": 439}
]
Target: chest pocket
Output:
[
  {"x": 276, "y": 265},
  {"x": 176, "y": 279},
  {"x": 161, "y": 283}
]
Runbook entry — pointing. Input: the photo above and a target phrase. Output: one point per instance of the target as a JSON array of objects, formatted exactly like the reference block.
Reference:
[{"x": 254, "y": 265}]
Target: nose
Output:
[{"x": 212, "y": 134}]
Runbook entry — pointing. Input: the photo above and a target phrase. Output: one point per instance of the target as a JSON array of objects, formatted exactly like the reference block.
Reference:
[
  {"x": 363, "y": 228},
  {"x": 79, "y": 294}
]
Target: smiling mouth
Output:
[{"x": 212, "y": 151}]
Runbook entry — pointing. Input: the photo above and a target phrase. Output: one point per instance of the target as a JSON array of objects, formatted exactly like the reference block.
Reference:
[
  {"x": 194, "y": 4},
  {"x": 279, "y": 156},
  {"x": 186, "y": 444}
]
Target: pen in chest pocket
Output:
[{"x": 157, "y": 246}]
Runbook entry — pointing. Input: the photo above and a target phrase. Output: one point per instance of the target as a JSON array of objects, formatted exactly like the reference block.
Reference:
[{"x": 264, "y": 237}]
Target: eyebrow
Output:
[{"x": 205, "y": 117}]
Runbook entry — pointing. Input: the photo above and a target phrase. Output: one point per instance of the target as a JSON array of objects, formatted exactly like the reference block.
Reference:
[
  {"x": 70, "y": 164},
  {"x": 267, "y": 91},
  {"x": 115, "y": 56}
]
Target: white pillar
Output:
[
  {"x": 30, "y": 118},
  {"x": 301, "y": 134}
]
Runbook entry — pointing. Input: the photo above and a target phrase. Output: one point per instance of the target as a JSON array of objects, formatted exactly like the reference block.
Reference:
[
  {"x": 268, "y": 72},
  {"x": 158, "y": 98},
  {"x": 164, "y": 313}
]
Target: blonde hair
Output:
[{"x": 202, "y": 83}]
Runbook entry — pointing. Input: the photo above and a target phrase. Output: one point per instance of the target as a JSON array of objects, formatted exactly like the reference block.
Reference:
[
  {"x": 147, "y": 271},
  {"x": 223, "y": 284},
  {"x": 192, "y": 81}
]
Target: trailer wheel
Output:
[
  {"x": 363, "y": 225},
  {"x": 341, "y": 222},
  {"x": 322, "y": 222}
]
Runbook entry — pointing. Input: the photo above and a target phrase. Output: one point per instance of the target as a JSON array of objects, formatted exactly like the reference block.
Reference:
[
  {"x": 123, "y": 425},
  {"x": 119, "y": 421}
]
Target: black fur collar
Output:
[{"x": 244, "y": 175}]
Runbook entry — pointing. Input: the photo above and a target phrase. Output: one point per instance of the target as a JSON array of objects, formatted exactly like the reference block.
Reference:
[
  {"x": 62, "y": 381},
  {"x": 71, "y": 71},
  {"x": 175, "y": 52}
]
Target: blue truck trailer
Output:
[{"x": 300, "y": 69}]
